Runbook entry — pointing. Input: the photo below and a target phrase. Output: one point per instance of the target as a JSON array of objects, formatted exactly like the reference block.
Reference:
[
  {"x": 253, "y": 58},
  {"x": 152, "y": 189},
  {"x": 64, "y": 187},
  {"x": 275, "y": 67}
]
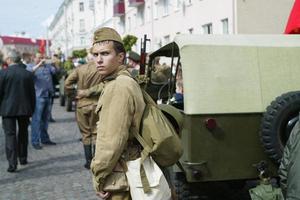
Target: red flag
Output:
[
  {"x": 42, "y": 47},
  {"x": 293, "y": 24}
]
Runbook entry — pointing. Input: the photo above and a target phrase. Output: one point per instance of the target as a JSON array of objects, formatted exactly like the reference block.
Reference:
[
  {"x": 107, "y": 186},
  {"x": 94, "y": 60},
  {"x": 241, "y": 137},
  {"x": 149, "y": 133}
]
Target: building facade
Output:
[
  {"x": 22, "y": 45},
  {"x": 72, "y": 26},
  {"x": 161, "y": 20}
]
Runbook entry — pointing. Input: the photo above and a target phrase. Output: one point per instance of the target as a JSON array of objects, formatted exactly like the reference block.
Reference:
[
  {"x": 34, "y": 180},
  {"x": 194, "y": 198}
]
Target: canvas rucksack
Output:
[{"x": 158, "y": 136}]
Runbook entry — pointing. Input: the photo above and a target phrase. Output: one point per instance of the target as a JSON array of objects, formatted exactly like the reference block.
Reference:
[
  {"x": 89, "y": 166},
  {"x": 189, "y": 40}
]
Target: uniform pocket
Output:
[{"x": 116, "y": 182}]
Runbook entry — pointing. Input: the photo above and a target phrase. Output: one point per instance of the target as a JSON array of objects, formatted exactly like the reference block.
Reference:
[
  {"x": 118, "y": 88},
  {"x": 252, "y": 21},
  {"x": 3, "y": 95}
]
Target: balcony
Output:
[
  {"x": 119, "y": 8},
  {"x": 135, "y": 3}
]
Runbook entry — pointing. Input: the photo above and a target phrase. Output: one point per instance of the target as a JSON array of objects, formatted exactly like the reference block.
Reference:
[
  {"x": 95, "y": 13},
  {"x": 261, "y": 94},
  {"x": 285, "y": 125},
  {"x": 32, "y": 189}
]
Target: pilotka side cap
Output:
[{"x": 106, "y": 33}]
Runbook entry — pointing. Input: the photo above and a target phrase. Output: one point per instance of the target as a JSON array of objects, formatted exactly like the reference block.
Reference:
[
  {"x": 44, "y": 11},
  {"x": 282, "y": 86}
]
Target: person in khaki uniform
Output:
[
  {"x": 161, "y": 73},
  {"x": 120, "y": 108},
  {"x": 133, "y": 63},
  {"x": 85, "y": 76}
]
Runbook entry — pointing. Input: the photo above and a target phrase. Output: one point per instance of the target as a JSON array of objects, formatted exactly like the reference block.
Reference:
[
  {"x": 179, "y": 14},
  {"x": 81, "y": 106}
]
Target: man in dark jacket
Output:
[{"x": 17, "y": 102}]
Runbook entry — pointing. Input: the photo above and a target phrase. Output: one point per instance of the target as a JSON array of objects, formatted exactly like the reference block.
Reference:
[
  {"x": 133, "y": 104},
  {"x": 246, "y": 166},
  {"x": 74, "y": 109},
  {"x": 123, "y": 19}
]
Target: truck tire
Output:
[
  {"x": 225, "y": 190},
  {"x": 277, "y": 123},
  {"x": 181, "y": 187}
]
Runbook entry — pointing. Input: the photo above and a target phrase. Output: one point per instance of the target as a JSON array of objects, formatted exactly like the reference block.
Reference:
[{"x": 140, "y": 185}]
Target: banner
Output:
[{"x": 293, "y": 24}]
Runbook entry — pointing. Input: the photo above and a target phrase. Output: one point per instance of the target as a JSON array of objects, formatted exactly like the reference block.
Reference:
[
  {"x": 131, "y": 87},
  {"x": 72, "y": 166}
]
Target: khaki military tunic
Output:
[
  {"x": 120, "y": 108},
  {"x": 85, "y": 76}
]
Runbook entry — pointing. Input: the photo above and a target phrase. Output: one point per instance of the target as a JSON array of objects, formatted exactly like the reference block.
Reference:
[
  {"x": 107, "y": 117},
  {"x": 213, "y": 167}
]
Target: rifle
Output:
[{"x": 143, "y": 54}]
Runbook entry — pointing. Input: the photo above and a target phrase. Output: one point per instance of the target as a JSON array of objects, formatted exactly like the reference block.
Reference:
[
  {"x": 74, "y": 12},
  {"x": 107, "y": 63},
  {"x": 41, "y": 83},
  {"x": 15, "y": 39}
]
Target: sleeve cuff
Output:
[
  {"x": 98, "y": 186},
  {"x": 87, "y": 93}
]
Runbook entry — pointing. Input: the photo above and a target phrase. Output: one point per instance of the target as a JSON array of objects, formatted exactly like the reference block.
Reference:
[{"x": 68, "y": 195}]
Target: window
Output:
[
  {"x": 122, "y": 24},
  {"x": 129, "y": 23},
  {"x": 81, "y": 25},
  {"x": 82, "y": 40},
  {"x": 92, "y": 5},
  {"x": 140, "y": 15},
  {"x": 155, "y": 10},
  {"x": 134, "y": 21},
  {"x": 225, "y": 25},
  {"x": 177, "y": 4},
  {"x": 207, "y": 28},
  {"x": 158, "y": 44},
  {"x": 148, "y": 14},
  {"x": 188, "y": 2},
  {"x": 105, "y": 9},
  {"x": 81, "y": 6},
  {"x": 165, "y": 4},
  {"x": 166, "y": 39}
]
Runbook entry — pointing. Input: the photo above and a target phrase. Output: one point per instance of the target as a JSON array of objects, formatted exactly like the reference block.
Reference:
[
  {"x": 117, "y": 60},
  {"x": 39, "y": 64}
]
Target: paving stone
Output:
[{"x": 55, "y": 172}]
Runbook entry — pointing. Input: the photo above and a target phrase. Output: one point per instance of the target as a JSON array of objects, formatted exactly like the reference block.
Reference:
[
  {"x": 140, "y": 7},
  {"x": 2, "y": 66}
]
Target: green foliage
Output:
[
  {"x": 68, "y": 66},
  {"x": 82, "y": 53},
  {"x": 129, "y": 41}
]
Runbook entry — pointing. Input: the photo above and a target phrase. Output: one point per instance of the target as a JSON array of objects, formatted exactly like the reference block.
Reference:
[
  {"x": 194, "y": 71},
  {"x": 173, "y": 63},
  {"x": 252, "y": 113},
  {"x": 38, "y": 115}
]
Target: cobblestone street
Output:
[{"x": 55, "y": 172}]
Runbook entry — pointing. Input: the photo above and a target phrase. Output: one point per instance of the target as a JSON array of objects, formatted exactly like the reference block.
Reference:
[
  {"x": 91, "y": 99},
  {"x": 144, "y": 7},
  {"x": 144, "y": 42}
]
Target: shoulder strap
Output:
[{"x": 137, "y": 134}]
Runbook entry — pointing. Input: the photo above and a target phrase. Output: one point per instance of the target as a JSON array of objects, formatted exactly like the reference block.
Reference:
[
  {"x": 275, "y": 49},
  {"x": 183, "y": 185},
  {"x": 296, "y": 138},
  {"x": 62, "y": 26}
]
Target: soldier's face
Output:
[
  {"x": 130, "y": 63},
  {"x": 106, "y": 58}
]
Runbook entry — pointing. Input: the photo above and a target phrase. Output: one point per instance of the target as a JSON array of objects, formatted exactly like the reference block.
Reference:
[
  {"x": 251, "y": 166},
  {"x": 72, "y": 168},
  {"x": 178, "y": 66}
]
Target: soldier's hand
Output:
[
  {"x": 80, "y": 94},
  {"x": 103, "y": 195}
]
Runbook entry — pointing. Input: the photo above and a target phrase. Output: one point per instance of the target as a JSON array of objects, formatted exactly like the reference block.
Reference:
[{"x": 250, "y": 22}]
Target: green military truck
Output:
[{"x": 241, "y": 99}]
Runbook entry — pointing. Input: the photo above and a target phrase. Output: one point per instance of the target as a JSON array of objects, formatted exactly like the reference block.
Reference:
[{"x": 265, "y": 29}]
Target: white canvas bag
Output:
[{"x": 158, "y": 184}]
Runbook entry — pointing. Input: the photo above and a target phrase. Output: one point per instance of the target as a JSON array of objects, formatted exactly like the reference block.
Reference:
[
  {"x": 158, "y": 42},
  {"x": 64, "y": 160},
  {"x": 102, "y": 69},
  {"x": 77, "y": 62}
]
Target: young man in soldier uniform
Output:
[
  {"x": 85, "y": 76},
  {"x": 120, "y": 108}
]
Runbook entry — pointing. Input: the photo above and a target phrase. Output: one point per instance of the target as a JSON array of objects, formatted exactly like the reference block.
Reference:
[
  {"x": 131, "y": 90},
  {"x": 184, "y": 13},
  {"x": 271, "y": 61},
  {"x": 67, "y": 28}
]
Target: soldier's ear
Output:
[{"x": 121, "y": 57}]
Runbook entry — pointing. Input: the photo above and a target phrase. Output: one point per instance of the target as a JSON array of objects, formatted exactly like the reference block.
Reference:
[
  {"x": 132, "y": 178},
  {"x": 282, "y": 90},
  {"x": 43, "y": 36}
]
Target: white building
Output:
[
  {"x": 72, "y": 26},
  {"x": 161, "y": 20}
]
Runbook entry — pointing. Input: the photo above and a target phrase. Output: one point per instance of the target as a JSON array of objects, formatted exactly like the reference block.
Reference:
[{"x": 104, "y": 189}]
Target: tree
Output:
[
  {"x": 129, "y": 41},
  {"x": 82, "y": 53}
]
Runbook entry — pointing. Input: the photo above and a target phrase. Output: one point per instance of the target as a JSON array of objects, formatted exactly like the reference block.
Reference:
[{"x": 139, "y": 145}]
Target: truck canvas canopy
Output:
[{"x": 234, "y": 73}]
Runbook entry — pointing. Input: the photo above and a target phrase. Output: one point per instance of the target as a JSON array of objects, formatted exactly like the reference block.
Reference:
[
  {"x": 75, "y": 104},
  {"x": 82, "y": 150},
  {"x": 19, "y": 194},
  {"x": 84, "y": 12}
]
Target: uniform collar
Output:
[{"x": 120, "y": 70}]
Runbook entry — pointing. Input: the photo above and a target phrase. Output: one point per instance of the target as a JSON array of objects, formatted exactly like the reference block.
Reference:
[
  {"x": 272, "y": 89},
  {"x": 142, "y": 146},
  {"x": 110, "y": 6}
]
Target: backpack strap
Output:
[
  {"x": 137, "y": 134},
  {"x": 146, "y": 148},
  {"x": 144, "y": 154}
]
